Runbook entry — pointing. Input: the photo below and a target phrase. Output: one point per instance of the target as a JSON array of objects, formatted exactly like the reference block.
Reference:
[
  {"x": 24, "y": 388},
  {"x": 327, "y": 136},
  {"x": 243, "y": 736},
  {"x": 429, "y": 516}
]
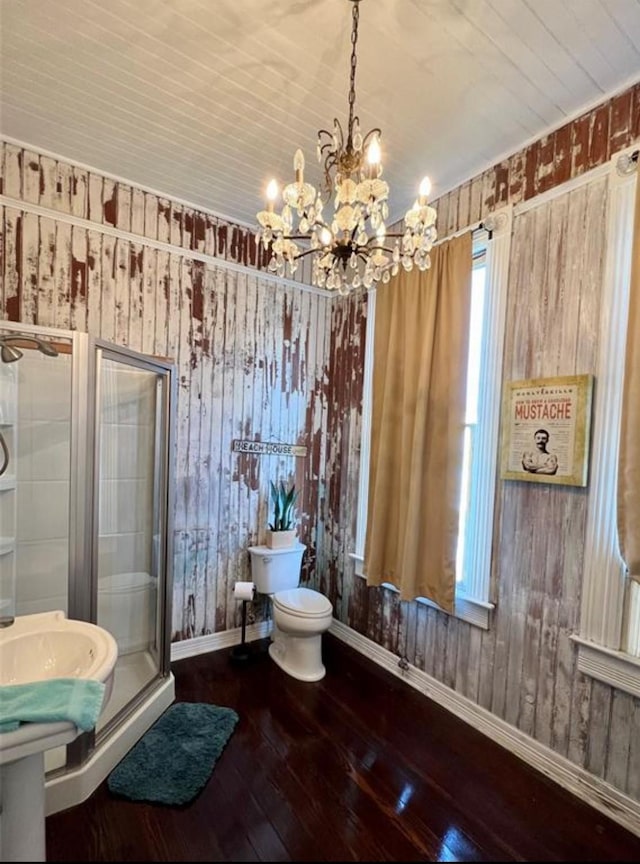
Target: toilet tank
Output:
[{"x": 274, "y": 570}]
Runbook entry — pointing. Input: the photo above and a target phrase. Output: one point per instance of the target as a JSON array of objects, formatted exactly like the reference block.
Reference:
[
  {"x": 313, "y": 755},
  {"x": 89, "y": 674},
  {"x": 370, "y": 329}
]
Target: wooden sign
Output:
[
  {"x": 546, "y": 423},
  {"x": 267, "y": 448}
]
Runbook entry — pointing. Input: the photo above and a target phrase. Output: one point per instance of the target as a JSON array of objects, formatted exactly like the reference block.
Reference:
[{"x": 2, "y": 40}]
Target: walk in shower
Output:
[{"x": 86, "y": 447}]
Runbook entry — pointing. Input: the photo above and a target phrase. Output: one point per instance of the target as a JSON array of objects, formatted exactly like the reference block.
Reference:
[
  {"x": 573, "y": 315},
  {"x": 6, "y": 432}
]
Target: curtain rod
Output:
[{"x": 474, "y": 226}]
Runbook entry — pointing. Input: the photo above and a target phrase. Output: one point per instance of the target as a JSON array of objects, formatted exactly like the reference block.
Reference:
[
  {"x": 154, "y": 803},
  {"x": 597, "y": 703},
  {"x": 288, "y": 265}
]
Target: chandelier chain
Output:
[{"x": 354, "y": 61}]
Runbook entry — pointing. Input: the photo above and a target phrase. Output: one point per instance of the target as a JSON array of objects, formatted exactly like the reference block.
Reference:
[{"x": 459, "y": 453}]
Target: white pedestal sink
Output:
[{"x": 35, "y": 648}]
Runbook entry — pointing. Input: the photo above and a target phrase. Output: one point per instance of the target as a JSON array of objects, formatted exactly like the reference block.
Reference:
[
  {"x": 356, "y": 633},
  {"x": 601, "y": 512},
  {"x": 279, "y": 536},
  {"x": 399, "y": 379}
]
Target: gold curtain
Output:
[
  {"x": 629, "y": 460},
  {"x": 417, "y": 425}
]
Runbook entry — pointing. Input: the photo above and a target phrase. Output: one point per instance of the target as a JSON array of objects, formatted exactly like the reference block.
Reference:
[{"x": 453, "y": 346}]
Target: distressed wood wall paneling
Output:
[
  {"x": 62, "y": 276},
  {"x": 124, "y": 202},
  {"x": 3, "y": 231},
  {"x": 31, "y": 177},
  {"x": 110, "y": 202},
  {"x": 175, "y": 344},
  {"x": 239, "y": 502},
  {"x": 338, "y": 485},
  {"x": 133, "y": 207},
  {"x": 121, "y": 291},
  {"x": 132, "y": 335},
  {"x": 79, "y": 192},
  {"x": 251, "y": 356},
  {"x": 2, "y": 168},
  {"x": 46, "y": 272},
  {"x": 523, "y": 668},
  {"x": 13, "y": 159},
  {"x": 200, "y": 440},
  {"x": 94, "y": 280},
  {"x": 308, "y": 483},
  {"x": 62, "y": 186},
  {"x": 164, "y": 221},
  {"x": 78, "y": 288},
  {"x": 183, "y": 468},
  {"x": 229, "y": 407},
  {"x": 12, "y": 260},
  {"x": 584, "y": 143},
  {"x": 316, "y": 420},
  {"x": 149, "y": 287},
  {"x": 344, "y": 410},
  {"x": 59, "y": 274},
  {"x": 94, "y": 198},
  {"x": 633, "y": 765},
  {"x": 102, "y": 304},
  {"x": 212, "y": 390},
  {"x": 257, "y": 403},
  {"x": 29, "y": 268}
]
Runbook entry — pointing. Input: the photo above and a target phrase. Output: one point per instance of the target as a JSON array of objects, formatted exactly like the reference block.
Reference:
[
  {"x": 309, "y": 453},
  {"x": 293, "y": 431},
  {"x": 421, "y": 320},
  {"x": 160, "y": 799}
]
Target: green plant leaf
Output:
[{"x": 283, "y": 502}]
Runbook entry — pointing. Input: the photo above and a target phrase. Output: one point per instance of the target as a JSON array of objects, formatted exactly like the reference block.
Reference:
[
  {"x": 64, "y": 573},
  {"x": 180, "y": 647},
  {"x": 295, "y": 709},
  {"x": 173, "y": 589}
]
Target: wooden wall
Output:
[
  {"x": 523, "y": 669},
  {"x": 274, "y": 362},
  {"x": 81, "y": 251}
]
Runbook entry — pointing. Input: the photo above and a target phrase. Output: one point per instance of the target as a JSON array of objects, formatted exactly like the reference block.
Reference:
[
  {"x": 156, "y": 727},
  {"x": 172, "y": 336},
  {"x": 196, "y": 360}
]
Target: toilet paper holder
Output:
[{"x": 246, "y": 592}]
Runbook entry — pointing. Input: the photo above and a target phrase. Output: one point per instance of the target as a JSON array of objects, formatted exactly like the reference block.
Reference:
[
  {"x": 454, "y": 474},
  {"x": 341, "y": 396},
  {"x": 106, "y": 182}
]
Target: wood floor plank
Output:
[{"x": 356, "y": 767}]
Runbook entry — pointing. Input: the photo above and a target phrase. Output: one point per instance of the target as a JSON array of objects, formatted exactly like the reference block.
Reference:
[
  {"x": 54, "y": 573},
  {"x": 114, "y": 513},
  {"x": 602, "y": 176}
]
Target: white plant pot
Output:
[{"x": 281, "y": 539}]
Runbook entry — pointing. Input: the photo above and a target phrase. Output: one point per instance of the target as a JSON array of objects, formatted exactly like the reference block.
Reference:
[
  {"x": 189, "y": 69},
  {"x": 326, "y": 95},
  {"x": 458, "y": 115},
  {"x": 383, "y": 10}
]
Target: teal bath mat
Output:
[{"x": 173, "y": 760}]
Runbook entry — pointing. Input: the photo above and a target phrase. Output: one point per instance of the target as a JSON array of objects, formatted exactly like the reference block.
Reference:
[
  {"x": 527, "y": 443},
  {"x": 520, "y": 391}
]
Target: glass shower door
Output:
[{"x": 130, "y": 518}]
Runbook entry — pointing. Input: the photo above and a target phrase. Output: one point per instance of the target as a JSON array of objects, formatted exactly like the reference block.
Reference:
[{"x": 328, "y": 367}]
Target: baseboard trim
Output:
[
  {"x": 216, "y": 641},
  {"x": 596, "y": 792}
]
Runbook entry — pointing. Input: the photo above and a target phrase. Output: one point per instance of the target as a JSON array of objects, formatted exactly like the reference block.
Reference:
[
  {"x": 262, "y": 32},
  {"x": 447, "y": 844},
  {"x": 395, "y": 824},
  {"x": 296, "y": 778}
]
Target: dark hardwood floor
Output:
[{"x": 356, "y": 767}]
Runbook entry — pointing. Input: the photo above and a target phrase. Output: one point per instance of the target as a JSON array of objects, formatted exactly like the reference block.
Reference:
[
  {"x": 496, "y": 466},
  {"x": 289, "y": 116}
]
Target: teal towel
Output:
[{"x": 76, "y": 699}]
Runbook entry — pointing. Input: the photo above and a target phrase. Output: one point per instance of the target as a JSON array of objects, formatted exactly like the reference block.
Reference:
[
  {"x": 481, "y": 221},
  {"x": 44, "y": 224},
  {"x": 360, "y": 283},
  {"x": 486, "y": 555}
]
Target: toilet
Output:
[{"x": 300, "y": 615}]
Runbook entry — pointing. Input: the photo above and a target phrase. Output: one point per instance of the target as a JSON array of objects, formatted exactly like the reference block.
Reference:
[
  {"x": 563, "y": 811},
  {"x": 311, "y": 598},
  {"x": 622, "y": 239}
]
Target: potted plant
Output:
[{"x": 281, "y": 533}]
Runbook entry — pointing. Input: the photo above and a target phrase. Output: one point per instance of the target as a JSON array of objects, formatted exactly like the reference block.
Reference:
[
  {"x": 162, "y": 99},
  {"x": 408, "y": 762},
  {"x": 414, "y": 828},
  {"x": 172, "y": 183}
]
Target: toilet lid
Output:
[{"x": 302, "y": 601}]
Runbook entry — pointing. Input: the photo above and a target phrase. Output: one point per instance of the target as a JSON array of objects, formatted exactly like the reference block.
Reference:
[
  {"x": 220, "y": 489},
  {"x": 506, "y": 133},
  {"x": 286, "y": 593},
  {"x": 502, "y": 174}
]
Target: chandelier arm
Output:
[
  {"x": 330, "y": 135},
  {"x": 330, "y": 161},
  {"x": 382, "y": 249},
  {"x": 369, "y": 135},
  {"x": 303, "y": 254}
]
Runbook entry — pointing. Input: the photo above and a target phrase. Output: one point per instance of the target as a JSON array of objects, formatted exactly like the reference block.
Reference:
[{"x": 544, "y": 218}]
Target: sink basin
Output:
[
  {"x": 36, "y": 648},
  {"x": 50, "y": 645}
]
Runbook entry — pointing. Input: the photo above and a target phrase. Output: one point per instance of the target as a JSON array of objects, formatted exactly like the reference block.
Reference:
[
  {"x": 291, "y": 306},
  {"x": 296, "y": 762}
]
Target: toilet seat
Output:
[{"x": 303, "y": 603}]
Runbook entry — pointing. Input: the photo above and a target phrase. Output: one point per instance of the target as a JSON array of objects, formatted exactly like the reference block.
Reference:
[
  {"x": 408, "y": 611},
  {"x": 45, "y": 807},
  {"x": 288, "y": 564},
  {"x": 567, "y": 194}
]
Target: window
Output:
[
  {"x": 610, "y": 617},
  {"x": 478, "y": 284},
  {"x": 489, "y": 287}
]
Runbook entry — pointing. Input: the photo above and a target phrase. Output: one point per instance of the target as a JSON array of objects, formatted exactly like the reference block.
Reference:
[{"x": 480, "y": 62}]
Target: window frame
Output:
[
  {"x": 601, "y": 633},
  {"x": 472, "y": 598}
]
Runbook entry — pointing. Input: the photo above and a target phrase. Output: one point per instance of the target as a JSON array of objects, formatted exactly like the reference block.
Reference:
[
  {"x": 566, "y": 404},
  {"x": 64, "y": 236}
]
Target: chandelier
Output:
[{"x": 351, "y": 247}]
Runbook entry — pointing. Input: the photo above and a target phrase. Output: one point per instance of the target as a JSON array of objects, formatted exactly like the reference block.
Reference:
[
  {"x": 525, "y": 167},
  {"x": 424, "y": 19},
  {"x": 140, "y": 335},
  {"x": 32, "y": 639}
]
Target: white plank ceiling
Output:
[{"x": 204, "y": 100}]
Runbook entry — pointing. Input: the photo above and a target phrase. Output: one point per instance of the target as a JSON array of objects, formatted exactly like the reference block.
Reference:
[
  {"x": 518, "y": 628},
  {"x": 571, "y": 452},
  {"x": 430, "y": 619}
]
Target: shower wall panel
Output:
[{"x": 81, "y": 251}]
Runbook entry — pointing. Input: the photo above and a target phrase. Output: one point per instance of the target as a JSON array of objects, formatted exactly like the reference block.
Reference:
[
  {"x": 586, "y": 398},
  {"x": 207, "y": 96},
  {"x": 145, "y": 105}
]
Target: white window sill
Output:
[
  {"x": 469, "y": 609},
  {"x": 616, "y": 668}
]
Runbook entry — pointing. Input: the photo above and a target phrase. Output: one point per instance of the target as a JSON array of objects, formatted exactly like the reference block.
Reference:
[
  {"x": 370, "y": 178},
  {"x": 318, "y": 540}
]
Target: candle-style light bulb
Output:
[
  {"x": 298, "y": 165},
  {"x": 272, "y": 194},
  {"x": 326, "y": 237},
  {"x": 373, "y": 156},
  {"x": 425, "y": 189}
]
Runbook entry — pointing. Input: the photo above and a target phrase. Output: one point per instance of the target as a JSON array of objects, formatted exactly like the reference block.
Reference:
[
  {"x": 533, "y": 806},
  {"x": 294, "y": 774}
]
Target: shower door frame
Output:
[
  {"x": 159, "y": 366},
  {"x": 86, "y": 594},
  {"x": 84, "y": 445}
]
